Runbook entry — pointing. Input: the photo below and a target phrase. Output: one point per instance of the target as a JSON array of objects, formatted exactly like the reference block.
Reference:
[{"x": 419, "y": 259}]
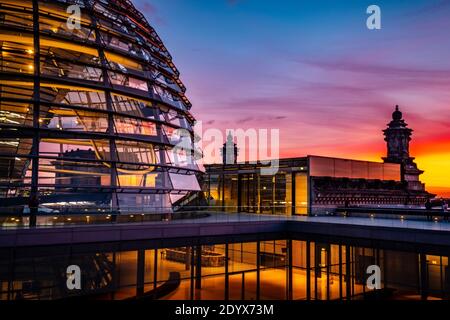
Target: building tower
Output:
[
  {"x": 398, "y": 135},
  {"x": 229, "y": 151}
]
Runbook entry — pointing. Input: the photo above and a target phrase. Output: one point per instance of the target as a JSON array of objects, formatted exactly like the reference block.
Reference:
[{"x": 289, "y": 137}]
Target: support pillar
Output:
[
  {"x": 293, "y": 187},
  {"x": 348, "y": 273},
  {"x": 192, "y": 273},
  {"x": 155, "y": 269},
  {"x": 198, "y": 268},
  {"x": 290, "y": 286},
  {"x": 340, "y": 272},
  {"x": 258, "y": 271},
  {"x": 239, "y": 193},
  {"x": 33, "y": 203},
  {"x": 423, "y": 276},
  {"x": 140, "y": 273},
  {"x": 308, "y": 270},
  {"x": 227, "y": 277}
]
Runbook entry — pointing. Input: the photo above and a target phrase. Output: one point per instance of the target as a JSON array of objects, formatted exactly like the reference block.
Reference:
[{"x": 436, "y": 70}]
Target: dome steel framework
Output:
[{"x": 90, "y": 117}]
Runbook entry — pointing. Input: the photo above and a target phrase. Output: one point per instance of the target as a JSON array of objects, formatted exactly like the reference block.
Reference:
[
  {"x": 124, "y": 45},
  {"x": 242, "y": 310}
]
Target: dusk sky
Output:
[{"x": 313, "y": 70}]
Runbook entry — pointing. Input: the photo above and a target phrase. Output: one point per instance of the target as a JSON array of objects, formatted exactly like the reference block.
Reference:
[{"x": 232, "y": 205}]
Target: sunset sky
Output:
[{"x": 313, "y": 70}]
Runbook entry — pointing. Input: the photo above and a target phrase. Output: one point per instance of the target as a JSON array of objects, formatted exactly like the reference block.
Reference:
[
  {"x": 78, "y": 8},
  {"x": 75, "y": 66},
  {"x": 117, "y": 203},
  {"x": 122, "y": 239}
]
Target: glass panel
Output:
[
  {"x": 146, "y": 180},
  {"x": 266, "y": 194},
  {"x": 59, "y": 26},
  {"x": 391, "y": 171},
  {"x": 126, "y": 269},
  {"x": 184, "y": 182},
  {"x": 173, "y": 117},
  {"x": 213, "y": 260},
  {"x": 176, "y": 260},
  {"x": 75, "y": 120},
  {"x": 149, "y": 269},
  {"x": 321, "y": 167},
  {"x": 212, "y": 191},
  {"x": 16, "y": 53},
  {"x": 75, "y": 148},
  {"x": 16, "y": 14},
  {"x": 147, "y": 203},
  {"x": 16, "y": 89},
  {"x": 59, "y": 174},
  {"x": 133, "y": 106},
  {"x": 299, "y": 269},
  {"x": 134, "y": 126},
  {"x": 230, "y": 192},
  {"x": 360, "y": 169},
  {"x": 273, "y": 262},
  {"x": 181, "y": 158},
  {"x": 84, "y": 97},
  {"x": 16, "y": 113},
  {"x": 283, "y": 193},
  {"x": 122, "y": 63},
  {"x": 127, "y": 81},
  {"x": 15, "y": 172},
  {"x": 301, "y": 193},
  {"x": 375, "y": 171},
  {"x": 135, "y": 152},
  {"x": 57, "y": 67},
  {"x": 242, "y": 256},
  {"x": 342, "y": 168},
  {"x": 334, "y": 280},
  {"x": 174, "y": 263}
]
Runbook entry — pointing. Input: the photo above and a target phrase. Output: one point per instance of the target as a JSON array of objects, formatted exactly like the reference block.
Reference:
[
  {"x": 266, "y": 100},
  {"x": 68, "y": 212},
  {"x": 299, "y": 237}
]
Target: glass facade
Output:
[
  {"x": 285, "y": 193},
  {"x": 309, "y": 185},
  {"x": 353, "y": 169},
  {"x": 89, "y": 117},
  {"x": 280, "y": 269}
]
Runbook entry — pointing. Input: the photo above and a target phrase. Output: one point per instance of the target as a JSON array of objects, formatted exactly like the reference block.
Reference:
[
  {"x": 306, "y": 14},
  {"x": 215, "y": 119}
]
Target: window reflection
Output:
[{"x": 235, "y": 271}]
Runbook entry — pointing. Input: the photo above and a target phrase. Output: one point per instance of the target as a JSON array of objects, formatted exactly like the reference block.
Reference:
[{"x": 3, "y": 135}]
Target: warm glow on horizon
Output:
[
  {"x": 436, "y": 166},
  {"x": 437, "y": 172}
]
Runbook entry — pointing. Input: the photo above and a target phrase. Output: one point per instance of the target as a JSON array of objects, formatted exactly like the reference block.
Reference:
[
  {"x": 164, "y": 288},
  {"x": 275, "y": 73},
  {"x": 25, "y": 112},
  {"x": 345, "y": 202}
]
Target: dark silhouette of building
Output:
[
  {"x": 229, "y": 151},
  {"x": 398, "y": 136}
]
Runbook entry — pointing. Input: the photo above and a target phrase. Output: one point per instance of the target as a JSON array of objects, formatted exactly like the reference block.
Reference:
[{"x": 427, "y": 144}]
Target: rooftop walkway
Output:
[{"x": 233, "y": 225}]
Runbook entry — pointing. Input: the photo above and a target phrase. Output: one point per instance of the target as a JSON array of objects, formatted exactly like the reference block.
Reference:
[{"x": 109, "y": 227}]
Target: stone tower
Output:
[
  {"x": 398, "y": 135},
  {"x": 229, "y": 151}
]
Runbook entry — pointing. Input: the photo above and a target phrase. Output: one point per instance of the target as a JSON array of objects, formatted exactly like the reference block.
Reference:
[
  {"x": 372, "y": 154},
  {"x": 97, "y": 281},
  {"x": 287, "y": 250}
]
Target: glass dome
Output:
[{"x": 92, "y": 111}]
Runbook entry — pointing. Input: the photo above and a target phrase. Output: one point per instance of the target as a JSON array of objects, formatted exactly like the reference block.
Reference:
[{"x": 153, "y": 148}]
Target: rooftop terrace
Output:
[{"x": 226, "y": 226}]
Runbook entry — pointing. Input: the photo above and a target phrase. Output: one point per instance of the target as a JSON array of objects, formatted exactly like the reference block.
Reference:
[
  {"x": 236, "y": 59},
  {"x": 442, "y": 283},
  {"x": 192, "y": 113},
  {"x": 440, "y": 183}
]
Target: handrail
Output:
[{"x": 394, "y": 211}]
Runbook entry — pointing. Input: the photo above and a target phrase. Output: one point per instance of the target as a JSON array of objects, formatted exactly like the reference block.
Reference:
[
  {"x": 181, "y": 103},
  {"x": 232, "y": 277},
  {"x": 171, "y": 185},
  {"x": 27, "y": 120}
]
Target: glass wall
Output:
[
  {"x": 249, "y": 193},
  {"x": 230, "y": 193},
  {"x": 273, "y": 270},
  {"x": 301, "y": 193},
  {"x": 255, "y": 193},
  {"x": 257, "y": 270},
  {"x": 242, "y": 266},
  {"x": 354, "y": 169}
]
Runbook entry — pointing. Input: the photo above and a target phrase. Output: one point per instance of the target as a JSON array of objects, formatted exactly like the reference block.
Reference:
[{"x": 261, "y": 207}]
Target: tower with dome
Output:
[{"x": 398, "y": 136}]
